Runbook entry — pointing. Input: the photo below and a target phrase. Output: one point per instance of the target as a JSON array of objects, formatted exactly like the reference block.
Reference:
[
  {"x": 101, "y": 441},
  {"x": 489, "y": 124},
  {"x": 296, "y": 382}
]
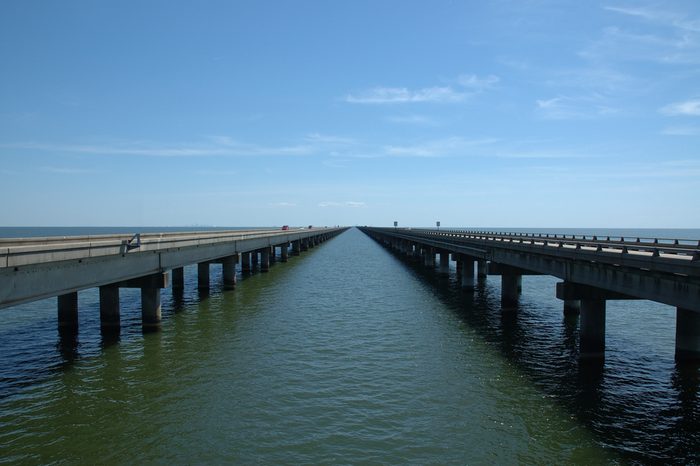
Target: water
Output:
[{"x": 346, "y": 354}]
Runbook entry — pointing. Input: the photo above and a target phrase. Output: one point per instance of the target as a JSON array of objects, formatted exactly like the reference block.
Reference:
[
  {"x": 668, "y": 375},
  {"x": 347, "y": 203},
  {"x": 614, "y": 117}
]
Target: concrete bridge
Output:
[
  {"x": 37, "y": 268},
  {"x": 593, "y": 270}
]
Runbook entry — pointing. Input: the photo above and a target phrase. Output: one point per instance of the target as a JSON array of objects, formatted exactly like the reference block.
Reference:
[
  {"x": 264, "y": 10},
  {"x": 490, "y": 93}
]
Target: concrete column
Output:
[
  {"x": 245, "y": 262},
  {"x": 467, "y": 264},
  {"x": 416, "y": 251},
  {"x": 254, "y": 258},
  {"x": 572, "y": 306},
  {"x": 296, "y": 247},
  {"x": 229, "y": 271},
  {"x": 510, "y": 291},
  {"x": 203, "y": 276},
  {"x": 150, "y": 307},
  {"x": 429, "y": 257},
  {"x": 687, "y": 335},
  {"x": 592, "y": 325},
  {"x": 68, "y": 310},
  {"x": 273, "y": 255},
  {"x": 178, "y": 278},
  {"x": 481, "y": 268},
  {"x": 459, "y": 266},
  {"x": 285, "y": 252},
  {"x": 444, "y": 262},
  {"x": 109, "y": 306},
  {"x": 265, "y": 259},
  {"x": 304, "y": 244}
]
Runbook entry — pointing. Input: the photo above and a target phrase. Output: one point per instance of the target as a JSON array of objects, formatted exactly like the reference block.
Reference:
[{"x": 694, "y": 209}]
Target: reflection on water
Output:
[{"x": 345, "y": 354}]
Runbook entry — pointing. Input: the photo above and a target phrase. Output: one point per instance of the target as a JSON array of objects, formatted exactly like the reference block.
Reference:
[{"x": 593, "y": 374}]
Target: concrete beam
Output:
[
  {"x": 155, "y": 280},
  {"x": 575, "y": 291},
  {"x": 494, "y": 268}
]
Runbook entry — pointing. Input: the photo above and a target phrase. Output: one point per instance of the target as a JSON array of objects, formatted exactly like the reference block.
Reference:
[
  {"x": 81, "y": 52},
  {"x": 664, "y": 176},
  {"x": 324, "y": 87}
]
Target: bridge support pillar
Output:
[
  {"x": 245, "y": 262},
  {"x": 592, "y": 325},
  {"x": 265, "y": 259},
  {"x": 254, "y": 258},
  {"x": 296, "y": 247},
  {"x": 68, "y": 310},
  {"x": 467, "y": 265},
  {"x": 150, "y": 307},
  {"x": 444, "y": 262},
  {"x": 305, "y": 244},
  {"x": 481, "y": 268},
  {"x": 228, "y": 265},
  {"x": 178, "y": 278},
  {"x": 109, "y": 306},
  {"x": 285, "y": 252},
  {"x": 687, "y": 335},
  {"x": 273, "y": 254},
  {"x": 511, "y": 284},
  {"x": 572, "y": 306},
  {"x": 429, "y": 257},
  {"x": 203, "y": 275}
]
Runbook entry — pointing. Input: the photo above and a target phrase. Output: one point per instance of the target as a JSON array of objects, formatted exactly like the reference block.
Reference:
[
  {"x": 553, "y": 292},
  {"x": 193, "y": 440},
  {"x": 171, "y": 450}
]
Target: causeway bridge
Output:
[
  {"x": 37, "y": 268},
  {"x": 592, "y": 269}
]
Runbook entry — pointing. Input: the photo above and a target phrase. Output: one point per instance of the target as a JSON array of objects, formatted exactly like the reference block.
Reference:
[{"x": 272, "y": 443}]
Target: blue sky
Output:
[{"x": 238, "y": 113}]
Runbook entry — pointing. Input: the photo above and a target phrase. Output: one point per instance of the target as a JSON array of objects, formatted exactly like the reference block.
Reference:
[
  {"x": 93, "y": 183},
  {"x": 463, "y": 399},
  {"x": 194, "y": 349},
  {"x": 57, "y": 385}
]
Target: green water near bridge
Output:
[{"x": 343, "y": 355}]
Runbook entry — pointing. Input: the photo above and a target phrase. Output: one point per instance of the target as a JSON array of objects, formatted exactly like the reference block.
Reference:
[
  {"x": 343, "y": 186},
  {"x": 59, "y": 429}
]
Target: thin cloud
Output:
[
  {"x": 282, "y": 204},
  {"x": 681, "y": 131},
  {"x": 687, "y": 108},
  {"x": 353, "y": 204},
  {"x": 578, "y": 107},
  {"x": 399, "y": 95},
  {"x": 439, "y": 148},
  {"x": 69, "y": 170},
  {"x": 467, "y": 85},
  {"x": 419, "y": 120}
]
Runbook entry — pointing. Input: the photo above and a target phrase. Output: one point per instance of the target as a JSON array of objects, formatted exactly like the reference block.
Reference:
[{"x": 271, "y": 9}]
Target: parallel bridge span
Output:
[
  {"x": 593, "y": 270},
  {"x": 37, "y": 268}
]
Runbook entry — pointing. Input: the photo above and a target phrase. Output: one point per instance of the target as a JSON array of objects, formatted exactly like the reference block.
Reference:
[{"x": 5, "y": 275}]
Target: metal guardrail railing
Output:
[
  {"x": 16, "y": 252},
  {"x": 684, "y": 250}
]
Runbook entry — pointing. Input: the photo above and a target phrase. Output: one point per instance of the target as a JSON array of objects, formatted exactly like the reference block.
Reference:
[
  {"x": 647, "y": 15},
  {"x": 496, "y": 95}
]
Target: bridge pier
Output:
[
  {"x": 296, "y": 247},
  {"x": 273, "y": 254},
  {"x": 481, "y": 269},
  {"x": 285, "y": 252},
  {"x": 228, "y": 265},
  {"x": 109, "y": 306},
  {"x": 203, "y": 275},
  {"x": 511, "y": 285},
  {"x": 444, "y": 262},
  {"x": 178, "y": 278},
  {"x": 245, "y": 262},
  {"x": 572, "y": 306},
  {"x": 254, "y": 259},
  {"x": 467, "y": 269},
  {"x": 150, "y": 307},
  {"x": 68, "y": 310},
  {"x": 428, "y": 257},
  {"x": 687, "y": 335},
  {"x": 265, "y": 259},
  {"x": 305, "y": 244},
  {"x": 592, "y": 329}
]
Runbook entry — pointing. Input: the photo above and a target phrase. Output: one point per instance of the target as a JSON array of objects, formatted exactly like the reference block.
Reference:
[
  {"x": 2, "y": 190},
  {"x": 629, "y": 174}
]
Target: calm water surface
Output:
[{"x": 346, "y": 354}]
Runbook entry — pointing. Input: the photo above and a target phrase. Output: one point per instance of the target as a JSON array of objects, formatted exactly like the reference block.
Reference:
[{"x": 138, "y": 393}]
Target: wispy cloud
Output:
[
  {"x": 674, "y": 39},
  {"x": 396, "y": 95},
  {"x": 353, "y": 204},
  {"x": 438, "y": 148},
  {"x": 574, "y": 107},
  {"x": 681, "y": 131},
  {"x": 69, "y": 170},
  {"x": 419, "y": 120},
  {"x": 221, "y": 146},
  {"x": 687, "y": 108},
  {"x": 282, "y": 204},
  {"x": 465, "y": 86}
]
